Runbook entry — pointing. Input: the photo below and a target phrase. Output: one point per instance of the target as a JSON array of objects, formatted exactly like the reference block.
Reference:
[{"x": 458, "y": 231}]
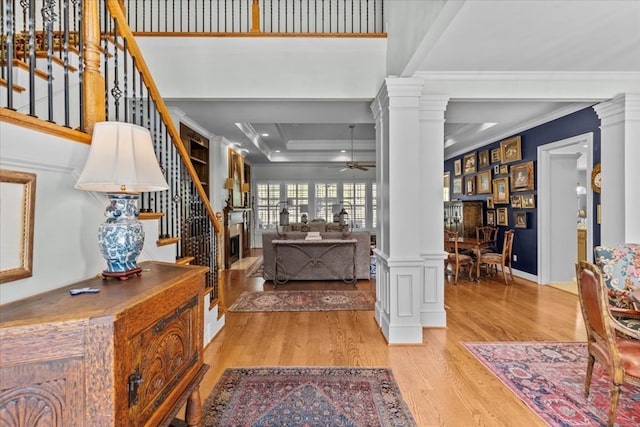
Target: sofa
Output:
[
  {"x": 620, "y": 267},
  {"x": 329, "y": 260}
]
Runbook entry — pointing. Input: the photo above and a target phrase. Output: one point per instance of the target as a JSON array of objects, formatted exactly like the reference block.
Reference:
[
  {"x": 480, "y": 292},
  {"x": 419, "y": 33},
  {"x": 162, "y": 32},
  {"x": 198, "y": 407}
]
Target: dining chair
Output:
[
  {"x": 455, "y": 258},
  {"x": 493, "y": 259},
  {"x": 619, "y": 354},
  {"x": 486, "y": 233}
]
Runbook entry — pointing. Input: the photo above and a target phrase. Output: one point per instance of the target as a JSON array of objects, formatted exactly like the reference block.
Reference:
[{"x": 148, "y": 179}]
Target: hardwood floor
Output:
[{"x": 440, "y": 381}]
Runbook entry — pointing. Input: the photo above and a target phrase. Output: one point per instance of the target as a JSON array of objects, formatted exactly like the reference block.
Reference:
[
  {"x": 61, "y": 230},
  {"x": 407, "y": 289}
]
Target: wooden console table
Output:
[
  {"x": 130, "y": 355},
  {"x": 326, "y": 259}
]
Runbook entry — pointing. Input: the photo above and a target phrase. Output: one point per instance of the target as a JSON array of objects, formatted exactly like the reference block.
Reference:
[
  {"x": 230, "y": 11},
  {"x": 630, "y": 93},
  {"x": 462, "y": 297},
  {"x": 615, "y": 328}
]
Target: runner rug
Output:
[
  {"x": 549, "y": 378},
  {"x": 304, "y": 301},
  {"x": 306, "y": 396}
]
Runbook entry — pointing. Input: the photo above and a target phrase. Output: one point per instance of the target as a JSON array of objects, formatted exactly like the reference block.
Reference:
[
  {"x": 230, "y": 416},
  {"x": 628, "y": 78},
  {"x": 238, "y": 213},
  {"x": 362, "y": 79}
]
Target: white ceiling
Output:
[{"x": 511, "y": 64}]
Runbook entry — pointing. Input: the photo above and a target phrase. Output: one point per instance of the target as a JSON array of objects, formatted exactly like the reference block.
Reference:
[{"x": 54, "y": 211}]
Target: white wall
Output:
[
  {"x": 65, "y": 244},
  {"x": 408, "y": 22},
  {"x": 266, "y": 67}
]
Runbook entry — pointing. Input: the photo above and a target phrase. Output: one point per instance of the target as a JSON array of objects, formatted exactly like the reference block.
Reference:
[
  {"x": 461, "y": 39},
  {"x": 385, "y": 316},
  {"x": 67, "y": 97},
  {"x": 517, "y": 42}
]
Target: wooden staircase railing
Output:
[{"x": 111, "y": 82}]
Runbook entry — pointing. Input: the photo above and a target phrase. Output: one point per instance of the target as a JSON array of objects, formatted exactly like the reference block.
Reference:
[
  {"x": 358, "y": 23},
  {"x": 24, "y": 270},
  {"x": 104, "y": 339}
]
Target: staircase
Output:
[{"x": 59, "y": 81}]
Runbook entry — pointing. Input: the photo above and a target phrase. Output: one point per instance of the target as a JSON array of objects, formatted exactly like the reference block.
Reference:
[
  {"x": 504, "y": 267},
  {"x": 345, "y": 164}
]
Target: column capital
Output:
[
  {"x": 403, "y": 86},
  {"x": 621, "y": 107}
]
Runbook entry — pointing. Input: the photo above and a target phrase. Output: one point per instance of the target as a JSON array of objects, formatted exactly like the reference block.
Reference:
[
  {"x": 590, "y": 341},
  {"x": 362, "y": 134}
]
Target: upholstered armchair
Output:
[
  {"x": 617, "y": 350},
  {"x": 620, "y": 267}
]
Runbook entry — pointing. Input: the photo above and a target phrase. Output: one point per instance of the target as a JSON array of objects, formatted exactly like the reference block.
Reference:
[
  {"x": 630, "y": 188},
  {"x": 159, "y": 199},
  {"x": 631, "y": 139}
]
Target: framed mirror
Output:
[{"x": 17, "y": 207}]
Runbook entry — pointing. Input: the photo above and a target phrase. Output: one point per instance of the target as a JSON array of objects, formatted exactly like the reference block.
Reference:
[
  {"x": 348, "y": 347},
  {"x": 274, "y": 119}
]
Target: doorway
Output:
[{"x": 558, "y": 206}]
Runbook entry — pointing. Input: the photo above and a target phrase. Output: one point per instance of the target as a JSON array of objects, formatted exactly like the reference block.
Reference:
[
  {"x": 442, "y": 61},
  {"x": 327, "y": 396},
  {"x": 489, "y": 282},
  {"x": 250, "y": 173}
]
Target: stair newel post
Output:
[
  {"x": 94, "y": 85},
  {"x": 255, "y": 16}
]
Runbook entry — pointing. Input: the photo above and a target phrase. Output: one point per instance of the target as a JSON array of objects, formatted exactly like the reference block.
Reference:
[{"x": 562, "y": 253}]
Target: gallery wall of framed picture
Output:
[{"x": 500, "y": 177}]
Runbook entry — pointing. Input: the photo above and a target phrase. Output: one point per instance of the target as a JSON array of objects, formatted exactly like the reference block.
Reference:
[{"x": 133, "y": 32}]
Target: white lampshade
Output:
[{"x": 121, "y": 160}]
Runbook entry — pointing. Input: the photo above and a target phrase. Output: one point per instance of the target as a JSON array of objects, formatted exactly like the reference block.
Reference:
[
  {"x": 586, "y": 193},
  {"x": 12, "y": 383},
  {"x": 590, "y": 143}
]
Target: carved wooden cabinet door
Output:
[
  {"x": 164, "y": 353},
  {"x": 43, "y": 394}
]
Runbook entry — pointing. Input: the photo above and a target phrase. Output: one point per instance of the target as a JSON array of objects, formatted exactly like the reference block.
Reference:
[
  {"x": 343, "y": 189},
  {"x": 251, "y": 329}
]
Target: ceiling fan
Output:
[{"x": 353, "y": 164}]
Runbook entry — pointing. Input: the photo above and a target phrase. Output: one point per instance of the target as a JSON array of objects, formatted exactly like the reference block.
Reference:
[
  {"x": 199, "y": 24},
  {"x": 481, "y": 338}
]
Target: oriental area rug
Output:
[
  {"x": 306, "y": 396},
  {"x": 319, "y": 300},
  {"x": 549, "y": 379}
]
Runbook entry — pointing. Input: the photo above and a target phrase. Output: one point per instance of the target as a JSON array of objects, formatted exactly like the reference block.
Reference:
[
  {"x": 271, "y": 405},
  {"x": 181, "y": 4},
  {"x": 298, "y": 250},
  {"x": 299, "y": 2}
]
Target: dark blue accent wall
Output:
[{"x": 526, "y": 239}]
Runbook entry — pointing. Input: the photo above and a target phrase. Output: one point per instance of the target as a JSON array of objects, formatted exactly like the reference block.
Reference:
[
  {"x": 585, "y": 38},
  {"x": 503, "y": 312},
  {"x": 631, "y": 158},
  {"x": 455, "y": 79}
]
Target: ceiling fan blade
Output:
[{"x": 360, "y": 167}]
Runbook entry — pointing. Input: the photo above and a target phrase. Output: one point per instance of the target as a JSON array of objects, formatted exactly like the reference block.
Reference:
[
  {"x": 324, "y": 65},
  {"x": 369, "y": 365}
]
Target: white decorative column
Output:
[
  {"x": 620, "y": 160},
  {"x": 430, "y": 178},
  {"x": 410, "y": 160}
]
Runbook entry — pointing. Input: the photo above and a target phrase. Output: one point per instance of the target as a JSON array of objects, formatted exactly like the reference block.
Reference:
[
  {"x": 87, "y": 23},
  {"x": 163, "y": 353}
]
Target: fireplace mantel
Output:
[{"x": 237, "y": 224}]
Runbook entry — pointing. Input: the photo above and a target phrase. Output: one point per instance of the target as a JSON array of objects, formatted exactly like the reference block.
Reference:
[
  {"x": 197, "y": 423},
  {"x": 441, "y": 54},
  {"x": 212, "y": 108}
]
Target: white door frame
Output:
[{"x": 545, "y": 213}]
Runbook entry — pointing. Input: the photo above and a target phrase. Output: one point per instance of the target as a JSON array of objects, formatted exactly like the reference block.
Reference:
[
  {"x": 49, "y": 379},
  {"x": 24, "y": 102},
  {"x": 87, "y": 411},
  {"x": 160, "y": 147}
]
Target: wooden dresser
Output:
[{"x": 130, "y": 355}]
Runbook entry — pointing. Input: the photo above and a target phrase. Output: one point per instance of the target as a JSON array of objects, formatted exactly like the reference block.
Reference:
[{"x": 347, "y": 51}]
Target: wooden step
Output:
[
  {"x": 167, "y": 241},
  {"x": 24, "y": 66},
  {"x": 16, "y": 88},
  {"x": 150, "y": 215},
  {"x": 185, "y": 260}
]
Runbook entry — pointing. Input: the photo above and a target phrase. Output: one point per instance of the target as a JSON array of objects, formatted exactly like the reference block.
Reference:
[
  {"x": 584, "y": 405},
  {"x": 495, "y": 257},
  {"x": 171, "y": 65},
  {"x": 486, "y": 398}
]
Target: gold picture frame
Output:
[
  {"x": 457, "y": 185},
  {"x": 18, "y": 194},
  {"x": 470, "y": 163},
  {"x": 520, "y": 219},
  {"x": 522, "y": 177},
  {"x": 504, "y": 170},
  {"x": 516, "y": 202},
  {"x": 446, "y": 186},
  {"x": 470, "y": 185},
  {"x": 484, "y": 182},
  {"x": 483, "y": 159},
  {"x": 502, "y": 217},
  {"x": 511, "y": 150},
  {"x": 236, "y": 178},
  {"x": 457, "y": 167},
  {"x": 496, "y": 155},
  {"x": 528, "y": 201},
  {"x": 490, "y": 204},
  {"x": 500, "y": 190},
  {"x": 491, "y": 217}
]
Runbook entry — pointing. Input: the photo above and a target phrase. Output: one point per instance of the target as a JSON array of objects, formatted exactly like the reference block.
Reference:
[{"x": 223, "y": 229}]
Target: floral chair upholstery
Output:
[{"x": 620, "y": 266}]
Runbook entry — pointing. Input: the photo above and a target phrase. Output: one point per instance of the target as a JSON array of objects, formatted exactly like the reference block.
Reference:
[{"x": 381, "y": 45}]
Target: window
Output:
[
  {"x": 268, "y": 195},
  {"x": 374, "y": 205},
  {"x": 354, "y": 195},
  {"x": 326, "y": 201},
  {"x": 297, "y": 200}
]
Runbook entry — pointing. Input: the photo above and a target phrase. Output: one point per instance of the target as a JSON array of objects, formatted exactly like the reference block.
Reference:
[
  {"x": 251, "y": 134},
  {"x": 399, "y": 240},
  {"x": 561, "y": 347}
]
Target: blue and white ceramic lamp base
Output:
[{"x": 121, "y": 237}]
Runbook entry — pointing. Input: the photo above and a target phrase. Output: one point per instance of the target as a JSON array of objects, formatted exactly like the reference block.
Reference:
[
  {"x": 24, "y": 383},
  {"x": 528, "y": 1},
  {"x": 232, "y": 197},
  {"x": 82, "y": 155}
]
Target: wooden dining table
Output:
[{"x": 475, "y": 244}]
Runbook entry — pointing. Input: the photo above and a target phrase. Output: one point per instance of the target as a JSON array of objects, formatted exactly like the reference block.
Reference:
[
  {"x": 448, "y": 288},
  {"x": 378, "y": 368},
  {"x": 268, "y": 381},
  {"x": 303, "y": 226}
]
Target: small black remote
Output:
[{"x": 84, "y": 291}]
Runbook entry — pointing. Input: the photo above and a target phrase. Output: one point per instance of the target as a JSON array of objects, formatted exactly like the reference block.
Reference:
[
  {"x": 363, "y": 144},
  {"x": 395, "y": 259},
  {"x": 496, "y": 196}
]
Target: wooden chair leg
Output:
[
  {"x": 587, "y": 380},
  {"x": 613, "y": 404},
  {"x": 455, "y": 281},
  {"x": 504, "y": 273}
]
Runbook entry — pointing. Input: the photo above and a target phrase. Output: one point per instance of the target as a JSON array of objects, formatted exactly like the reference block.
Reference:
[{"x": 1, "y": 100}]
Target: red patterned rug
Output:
[
  {"x": 305, "y": 396},
  {"x": 549, "y": 378},
  {"x": 304, "y": 301}
]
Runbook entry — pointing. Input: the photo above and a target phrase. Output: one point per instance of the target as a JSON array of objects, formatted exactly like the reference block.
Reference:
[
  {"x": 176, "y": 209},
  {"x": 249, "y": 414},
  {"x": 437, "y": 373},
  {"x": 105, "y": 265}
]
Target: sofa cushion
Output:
[{"x": 620, "y": 267}]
